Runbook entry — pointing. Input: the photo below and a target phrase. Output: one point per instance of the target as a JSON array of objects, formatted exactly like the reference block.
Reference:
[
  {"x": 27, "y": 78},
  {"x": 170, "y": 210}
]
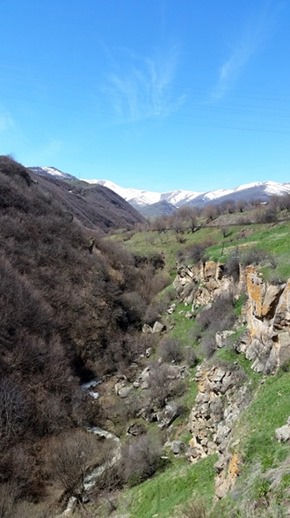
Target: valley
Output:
[{"x": 144, "y": 364}]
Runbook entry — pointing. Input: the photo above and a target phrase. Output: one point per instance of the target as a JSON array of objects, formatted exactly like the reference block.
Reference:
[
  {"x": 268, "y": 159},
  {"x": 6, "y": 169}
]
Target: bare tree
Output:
[
  {"x": 15, "y": 411},
  {"x": 141, "y": 456},
  {"x": 159, "y": 383},
  {"x": 71, "y": 456}
]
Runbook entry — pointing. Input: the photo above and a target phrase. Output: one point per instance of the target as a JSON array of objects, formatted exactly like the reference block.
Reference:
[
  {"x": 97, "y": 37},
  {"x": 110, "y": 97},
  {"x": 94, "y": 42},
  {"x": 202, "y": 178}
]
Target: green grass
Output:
[
  {"x": 181, "y": 483},
  {"x": 269, "y": 410},
  {"x": 182, "y": 326},
  {"x": 254, "y": 432},
  {"x": 272, "y": 238},
  {"x": 254, "y": 436}
]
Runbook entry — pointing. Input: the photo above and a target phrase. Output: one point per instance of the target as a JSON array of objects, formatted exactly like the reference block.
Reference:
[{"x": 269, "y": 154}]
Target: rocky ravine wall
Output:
[
  {"x": 266, "y": 313},
  {"x": 222, "y": 391},
  {"x": 268, "y": 323}
]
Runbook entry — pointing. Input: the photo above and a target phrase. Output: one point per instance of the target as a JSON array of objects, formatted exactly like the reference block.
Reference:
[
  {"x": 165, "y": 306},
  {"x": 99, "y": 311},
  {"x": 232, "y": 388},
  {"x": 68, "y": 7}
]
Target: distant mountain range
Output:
[{"x": 152, "y": 203}]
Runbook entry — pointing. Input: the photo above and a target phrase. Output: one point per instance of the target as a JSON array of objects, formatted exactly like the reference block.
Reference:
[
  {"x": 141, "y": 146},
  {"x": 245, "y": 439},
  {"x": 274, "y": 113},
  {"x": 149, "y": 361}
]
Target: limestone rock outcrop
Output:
[
  {"x": 221, "y": 397},
  {"x": 266, "y": 315},
  {"x": 267, "y": 343}
]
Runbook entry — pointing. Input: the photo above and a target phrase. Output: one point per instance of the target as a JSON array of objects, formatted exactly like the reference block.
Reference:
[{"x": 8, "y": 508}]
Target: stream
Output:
[{"x": 94, "y": 474}]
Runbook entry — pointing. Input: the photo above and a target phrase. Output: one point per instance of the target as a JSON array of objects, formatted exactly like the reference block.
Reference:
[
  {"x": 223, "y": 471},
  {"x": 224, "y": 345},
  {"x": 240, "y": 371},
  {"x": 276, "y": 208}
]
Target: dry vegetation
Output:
[{"x": 71, "y": 308}]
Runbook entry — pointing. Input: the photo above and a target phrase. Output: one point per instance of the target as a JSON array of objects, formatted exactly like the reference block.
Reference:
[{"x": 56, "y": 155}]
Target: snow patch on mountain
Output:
[
  {"x": 142, "y": 198},
  {"x": 51, "y": 171}
]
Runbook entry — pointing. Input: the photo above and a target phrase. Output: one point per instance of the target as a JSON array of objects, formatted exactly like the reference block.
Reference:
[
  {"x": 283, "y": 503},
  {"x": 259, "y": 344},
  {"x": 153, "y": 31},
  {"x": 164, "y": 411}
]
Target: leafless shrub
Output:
[
  {"x": 190, "y": 356},
  {"x": 154, "y": 311},
  {"x": 26, "y": 509},
  {"x": 196, "y": 252},
  {"x": 134, "y": 308},
  {"x": 8, "y": 496},
  {"x": 141, "y": 457},
  {"x": 171, "y": 350},
  {"x": 253, "y": 256},
  {"x": 70, "y": 457},
  {"x": 243, "y": 220},
  {"x": 285, "y": 201},
  {"x": 211, "y": 212},
  {"x": 15, "y": 411},
  {"x": 219, "y": 316},
  {"x": 163, "y": 384},
  {"x": 266, "y": 215},
  {"x": 176, "y": 389},
  {"x": 232, "y": 267},
  {"x": 159, "y": 384},
  {"x": 151, "y": 283},
  {"x": 208, "y": 344},
  {"x": 224, "y": 231}
]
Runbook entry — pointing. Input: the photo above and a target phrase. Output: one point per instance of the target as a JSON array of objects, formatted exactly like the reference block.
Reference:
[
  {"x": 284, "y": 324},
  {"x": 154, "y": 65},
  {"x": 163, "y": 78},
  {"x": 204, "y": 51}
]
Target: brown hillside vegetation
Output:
[
  {"x": 69, "y": 306},
  {"x": 92, "y": 205}
]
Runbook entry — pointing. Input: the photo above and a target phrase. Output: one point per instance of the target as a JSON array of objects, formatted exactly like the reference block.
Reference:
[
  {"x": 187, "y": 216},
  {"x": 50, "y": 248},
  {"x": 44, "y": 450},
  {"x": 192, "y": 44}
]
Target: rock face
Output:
[
  {"x": 220, "y": 399},
  {"x": 200, "y": 284},
  {"x": 267, "y": 313},
  {"x": 268, "y": 317},
  {"x": 265, "y": 342}
]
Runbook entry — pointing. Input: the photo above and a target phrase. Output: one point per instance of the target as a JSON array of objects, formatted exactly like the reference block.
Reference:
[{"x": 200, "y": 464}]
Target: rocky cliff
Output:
[
  {"x": 224, "y": 391},
  {"x": 266, "y": 312}
]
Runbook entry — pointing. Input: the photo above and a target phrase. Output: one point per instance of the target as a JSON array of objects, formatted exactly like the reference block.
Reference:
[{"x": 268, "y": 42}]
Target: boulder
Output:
[
  {"x": 146, "y": 329},
  {"x": 136, "y": 429},
  {"x": 177, "y": 447},
  {"x": 158, "y": 327},
  {"x": 166, "y": 416},
  {"x": 283, "y": 434},
  {"x": 125, "y": 391},
  {"x": 222, "y": 337}
]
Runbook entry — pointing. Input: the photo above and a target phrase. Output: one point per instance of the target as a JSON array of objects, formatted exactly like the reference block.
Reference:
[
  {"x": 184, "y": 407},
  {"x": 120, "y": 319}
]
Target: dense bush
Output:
[
  {"x": 141, "y": 457},
  {"x": 218, "y": 317},
  {"x": 171, "y": 350},
  {"x": 232, "y": 267}
]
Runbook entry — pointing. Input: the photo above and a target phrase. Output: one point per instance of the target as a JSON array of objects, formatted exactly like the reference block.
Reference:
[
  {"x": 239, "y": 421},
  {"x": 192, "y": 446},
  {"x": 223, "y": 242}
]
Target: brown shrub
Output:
[
  {"x": 70, "y": 457},
  {"x": 141, "y": 457},
  {"x": 171, "y": 350}
]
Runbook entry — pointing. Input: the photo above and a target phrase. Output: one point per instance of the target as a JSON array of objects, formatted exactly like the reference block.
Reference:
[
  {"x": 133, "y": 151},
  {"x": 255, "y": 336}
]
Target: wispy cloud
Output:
[
  {"x": 242, "y": 52},
  {"x": 6, "y": 122},
  {"x": 143, "y": 89}
]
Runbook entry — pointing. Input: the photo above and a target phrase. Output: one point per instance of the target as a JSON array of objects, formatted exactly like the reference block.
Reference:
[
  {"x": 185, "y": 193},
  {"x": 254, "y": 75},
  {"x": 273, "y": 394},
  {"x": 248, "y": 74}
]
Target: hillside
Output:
[
  {"x": 147, "y": 372},
  {"x": 66, "y": 318},
  {"x": 94, "y": 206},
  {"x": 230, "y": 456}
]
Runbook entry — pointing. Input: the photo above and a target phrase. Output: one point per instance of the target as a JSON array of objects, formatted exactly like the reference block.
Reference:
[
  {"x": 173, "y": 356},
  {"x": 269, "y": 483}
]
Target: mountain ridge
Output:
[
  {"x": 181, "y": 197},
  {"x": 152, "y": 203}
]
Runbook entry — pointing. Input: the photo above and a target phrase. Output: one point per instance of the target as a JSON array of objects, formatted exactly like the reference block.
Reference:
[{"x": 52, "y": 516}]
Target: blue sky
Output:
[{"x": 151, "y": 94}]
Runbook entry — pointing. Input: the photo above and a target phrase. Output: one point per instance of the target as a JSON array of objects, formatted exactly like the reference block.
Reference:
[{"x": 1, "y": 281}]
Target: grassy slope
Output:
[
  {"x": 272, "y": 238},
  {"x": 255, "y": 432},
  {"x": 168, "y": 491}
]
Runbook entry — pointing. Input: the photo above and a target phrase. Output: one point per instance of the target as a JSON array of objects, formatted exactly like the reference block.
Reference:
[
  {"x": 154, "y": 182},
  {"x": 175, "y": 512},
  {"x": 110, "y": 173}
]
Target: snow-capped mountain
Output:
[
  {"x": 141, "y": 198},
  {"x": 166, "y": 202},
  {"x": 52, "y": 171}
]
